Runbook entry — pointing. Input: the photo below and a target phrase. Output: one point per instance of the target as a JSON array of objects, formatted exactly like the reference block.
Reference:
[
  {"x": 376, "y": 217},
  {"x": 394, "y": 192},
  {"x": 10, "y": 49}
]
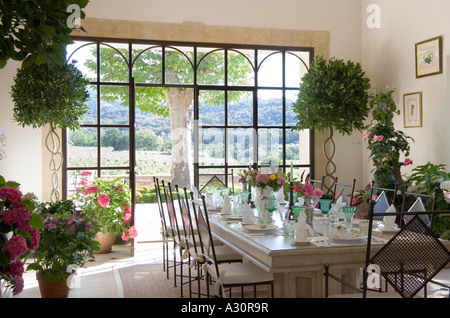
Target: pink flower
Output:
[
  {"x": 20, "y": 216},
  {"x": 18, "y": 285},
  {"x": 378, "y": 138},
  {"x": 295, "y": 188},
  {"x": 83, "y": 182},
  {"x": 35, "y": 238},
  {"x": 90, "y": 189},
  {"x": 133, "y": 232},
  {"x": 407, "y": 162},
  {"x": 365, "y": 134},
  {"x": 103, "y": 200},
  {"x": 308, "y": 189},
  {"x": 12, "y": 195},
  {"x": 446, "y": 194},
  {"x": 16, "y": 246},
  {"x": 16, "y": 268},
  {"x": 318, "y": 193},
  {"x": 86, "y": 174}
]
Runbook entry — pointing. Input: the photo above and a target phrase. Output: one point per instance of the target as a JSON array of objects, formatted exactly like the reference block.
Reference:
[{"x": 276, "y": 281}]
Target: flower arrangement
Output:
[
  {"x": 19, "y": 232},
  {"x": 108, "y": 202},
  {"x": 307, "y": 189},
  {"x": 67, "y": 241}
]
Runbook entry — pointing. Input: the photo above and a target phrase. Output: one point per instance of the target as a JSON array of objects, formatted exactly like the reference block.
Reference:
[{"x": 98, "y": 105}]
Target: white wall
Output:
[
  {"x": 389, "y": 57},
  {"x": 23, "y": 162},
  {"x": 342, "y": 18}
]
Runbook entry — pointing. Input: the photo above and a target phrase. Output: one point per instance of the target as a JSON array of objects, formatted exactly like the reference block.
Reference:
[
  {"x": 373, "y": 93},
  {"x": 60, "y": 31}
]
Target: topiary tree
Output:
[
  {"x": 333, "y": 95},
  {"x": 50, "y": 94}
]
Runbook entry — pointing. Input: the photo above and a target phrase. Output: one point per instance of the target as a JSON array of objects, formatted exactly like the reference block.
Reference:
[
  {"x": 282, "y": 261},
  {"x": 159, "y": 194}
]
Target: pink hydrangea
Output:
[
  {"x": 262, "y": 178},
  {"x": 20, "y": 216},
  {"x": 86, "y": 174},
  {"x": 103, "y": 200},
  {"x": 90, "y": 189},
  {"x": 12, "y": 195},
  {"x": 16, "y": 246},
  {"x": 18, "y": 285},
  {"x": 16, "y": 268},
  {"x": 308, "y": 189},
  {"x": 35, "y": 237}
]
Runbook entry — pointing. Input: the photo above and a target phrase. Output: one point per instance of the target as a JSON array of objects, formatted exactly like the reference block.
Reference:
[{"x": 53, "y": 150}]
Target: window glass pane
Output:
[
  {"x": 82, "y": 147},
  {"x": 74, "y": 178},
  {"x": 270, "y": 150},
  {"x": 270, "y": 107},
  {"x": 116, "y": 173},
  {"x": 240, "y": 146},
  {"x": 114, "y": 105},
  {"x": 296, "y": 67},
  {"x": 151, "y": 100},
  {"x": 206, "y": 175},
  {"x": 211, "y": 146},
  {"x": 240, "y": 108},
  {"x": 84, "y": 55},
  {"x": 291, "y": 97},
  {"x": 211, "y": 108},
  {"x": 113, "y": 62},
  {"x": 179, "y": 67},
  {"x": 240, "y": 68},
  {"x": 270, "y": 71},
  {"x": 211, "y": 67},
  {"x": 91, "y": 116},
  {"x": 147, "y": 67},
  {"x": 115, "y": 146}
]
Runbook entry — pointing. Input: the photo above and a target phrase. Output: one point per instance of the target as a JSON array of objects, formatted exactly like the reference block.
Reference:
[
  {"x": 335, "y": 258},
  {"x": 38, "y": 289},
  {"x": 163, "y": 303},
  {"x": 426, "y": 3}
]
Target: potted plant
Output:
[
  {"x": 67, "y": 243},
  {"x": 108, "y": 201},
  {"x": 50, "y": 94},
  {"x": 386, "y": 143},
  {"x": 333, "y": 95}
]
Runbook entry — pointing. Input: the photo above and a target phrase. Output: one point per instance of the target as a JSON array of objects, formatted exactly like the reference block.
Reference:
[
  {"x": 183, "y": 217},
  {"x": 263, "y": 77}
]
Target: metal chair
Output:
[
  {"x": 408, "y": 261},
  {"x": 419, "y": 205},
  {"x": 226, "y": 275}
]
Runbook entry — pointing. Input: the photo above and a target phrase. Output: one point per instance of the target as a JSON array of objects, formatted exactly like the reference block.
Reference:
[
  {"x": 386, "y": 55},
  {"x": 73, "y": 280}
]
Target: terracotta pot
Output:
[
  {"x": 106, "y": 242},
  {"x": 50, "y": 289}
]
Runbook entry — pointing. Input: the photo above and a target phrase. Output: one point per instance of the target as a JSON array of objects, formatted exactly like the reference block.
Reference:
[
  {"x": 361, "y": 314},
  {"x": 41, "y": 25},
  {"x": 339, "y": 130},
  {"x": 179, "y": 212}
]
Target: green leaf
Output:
[{"x": 36, "y": 221}]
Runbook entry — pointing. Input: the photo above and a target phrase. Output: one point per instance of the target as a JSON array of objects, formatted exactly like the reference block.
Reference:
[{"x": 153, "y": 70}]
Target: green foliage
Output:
[
  {"x": 333, "y": 94},
  {"x": 66, "y": 242},
  {"x": 424, "y": 179},
  {"x": 35, "y": 32},
  {"x": 384, "y": 141},
  {"x": 46, "y": 94}
]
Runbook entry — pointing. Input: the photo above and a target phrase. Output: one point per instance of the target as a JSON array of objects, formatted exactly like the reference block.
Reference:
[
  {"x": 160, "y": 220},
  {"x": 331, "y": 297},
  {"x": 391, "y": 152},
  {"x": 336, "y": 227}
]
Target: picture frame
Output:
[
  {"x": 412, "y": 110},
  {"x": 429, "y": 57}
]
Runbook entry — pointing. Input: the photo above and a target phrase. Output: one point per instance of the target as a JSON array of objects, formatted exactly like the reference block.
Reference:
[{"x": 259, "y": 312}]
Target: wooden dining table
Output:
[{"x": 297, "y": 269}]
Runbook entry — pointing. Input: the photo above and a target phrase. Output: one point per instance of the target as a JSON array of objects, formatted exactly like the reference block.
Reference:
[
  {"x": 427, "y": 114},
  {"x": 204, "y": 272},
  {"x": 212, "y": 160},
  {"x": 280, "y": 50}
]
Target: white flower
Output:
[{"x": 445, "y": 185}]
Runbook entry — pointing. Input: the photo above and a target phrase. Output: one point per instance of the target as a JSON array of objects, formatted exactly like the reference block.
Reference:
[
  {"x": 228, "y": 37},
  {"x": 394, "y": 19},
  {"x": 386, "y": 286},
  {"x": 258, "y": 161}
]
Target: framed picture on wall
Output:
[
  {"x": 412, "y": 110},
  {"x": 429, "y": 57}
]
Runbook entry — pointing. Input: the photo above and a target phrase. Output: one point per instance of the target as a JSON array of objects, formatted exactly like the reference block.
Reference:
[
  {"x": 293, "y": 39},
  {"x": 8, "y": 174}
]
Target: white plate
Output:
[
  {"x": 347, "y": 238},
  {"x": 375, "y": 223},
  {"x": 260, "y": 227}
]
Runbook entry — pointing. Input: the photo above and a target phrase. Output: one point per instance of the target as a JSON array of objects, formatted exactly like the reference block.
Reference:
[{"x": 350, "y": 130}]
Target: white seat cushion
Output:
[{"x": 240, "y": 273}]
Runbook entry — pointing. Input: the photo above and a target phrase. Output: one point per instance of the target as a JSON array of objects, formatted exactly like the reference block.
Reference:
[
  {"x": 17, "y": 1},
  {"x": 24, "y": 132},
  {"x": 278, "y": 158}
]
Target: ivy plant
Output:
[
  {"x": 49, "y": 94},
  {"x": 36, "y": 31},
  {"x": 333, "y": 95}
]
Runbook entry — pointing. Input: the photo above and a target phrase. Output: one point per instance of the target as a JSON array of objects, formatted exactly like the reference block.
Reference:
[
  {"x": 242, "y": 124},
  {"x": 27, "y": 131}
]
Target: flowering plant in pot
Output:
[
  {"x": 108, "y": 202},
  {"x": 67, "y": 242},
  {"x": 19, "y": 234}
]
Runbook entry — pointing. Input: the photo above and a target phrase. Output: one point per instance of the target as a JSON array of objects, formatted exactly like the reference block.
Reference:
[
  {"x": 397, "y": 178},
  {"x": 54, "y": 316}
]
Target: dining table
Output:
[{"x": 298, "y": 268}]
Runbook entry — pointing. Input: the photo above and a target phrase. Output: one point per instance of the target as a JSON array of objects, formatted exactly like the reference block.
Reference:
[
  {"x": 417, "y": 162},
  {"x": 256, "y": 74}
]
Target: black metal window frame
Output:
[{"x": 197, "y": 88}]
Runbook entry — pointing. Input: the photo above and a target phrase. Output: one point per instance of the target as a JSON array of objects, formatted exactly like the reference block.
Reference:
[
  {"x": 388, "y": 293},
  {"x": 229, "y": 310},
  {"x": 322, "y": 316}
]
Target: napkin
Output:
[
  {"x": 301, "y": 229},
  {"x": 337, "y": 207},
  {"x": 226, "y": 206},
  {"x": 389, "y": 220},
  {"x": 247, "y": 214},
  {"x": 209, "y": 200}
]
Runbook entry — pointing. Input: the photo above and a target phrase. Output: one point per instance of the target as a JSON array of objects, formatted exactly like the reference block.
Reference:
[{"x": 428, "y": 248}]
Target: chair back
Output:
[
  {"x": 410, "y": 259},
  {"x": 170, "y": 205},
  {"x": 419, "y": 206},
  {"x": 343, "y": 192},
  {"x": 159, "y": 196},
  {"x": 382, "y": 201}
]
